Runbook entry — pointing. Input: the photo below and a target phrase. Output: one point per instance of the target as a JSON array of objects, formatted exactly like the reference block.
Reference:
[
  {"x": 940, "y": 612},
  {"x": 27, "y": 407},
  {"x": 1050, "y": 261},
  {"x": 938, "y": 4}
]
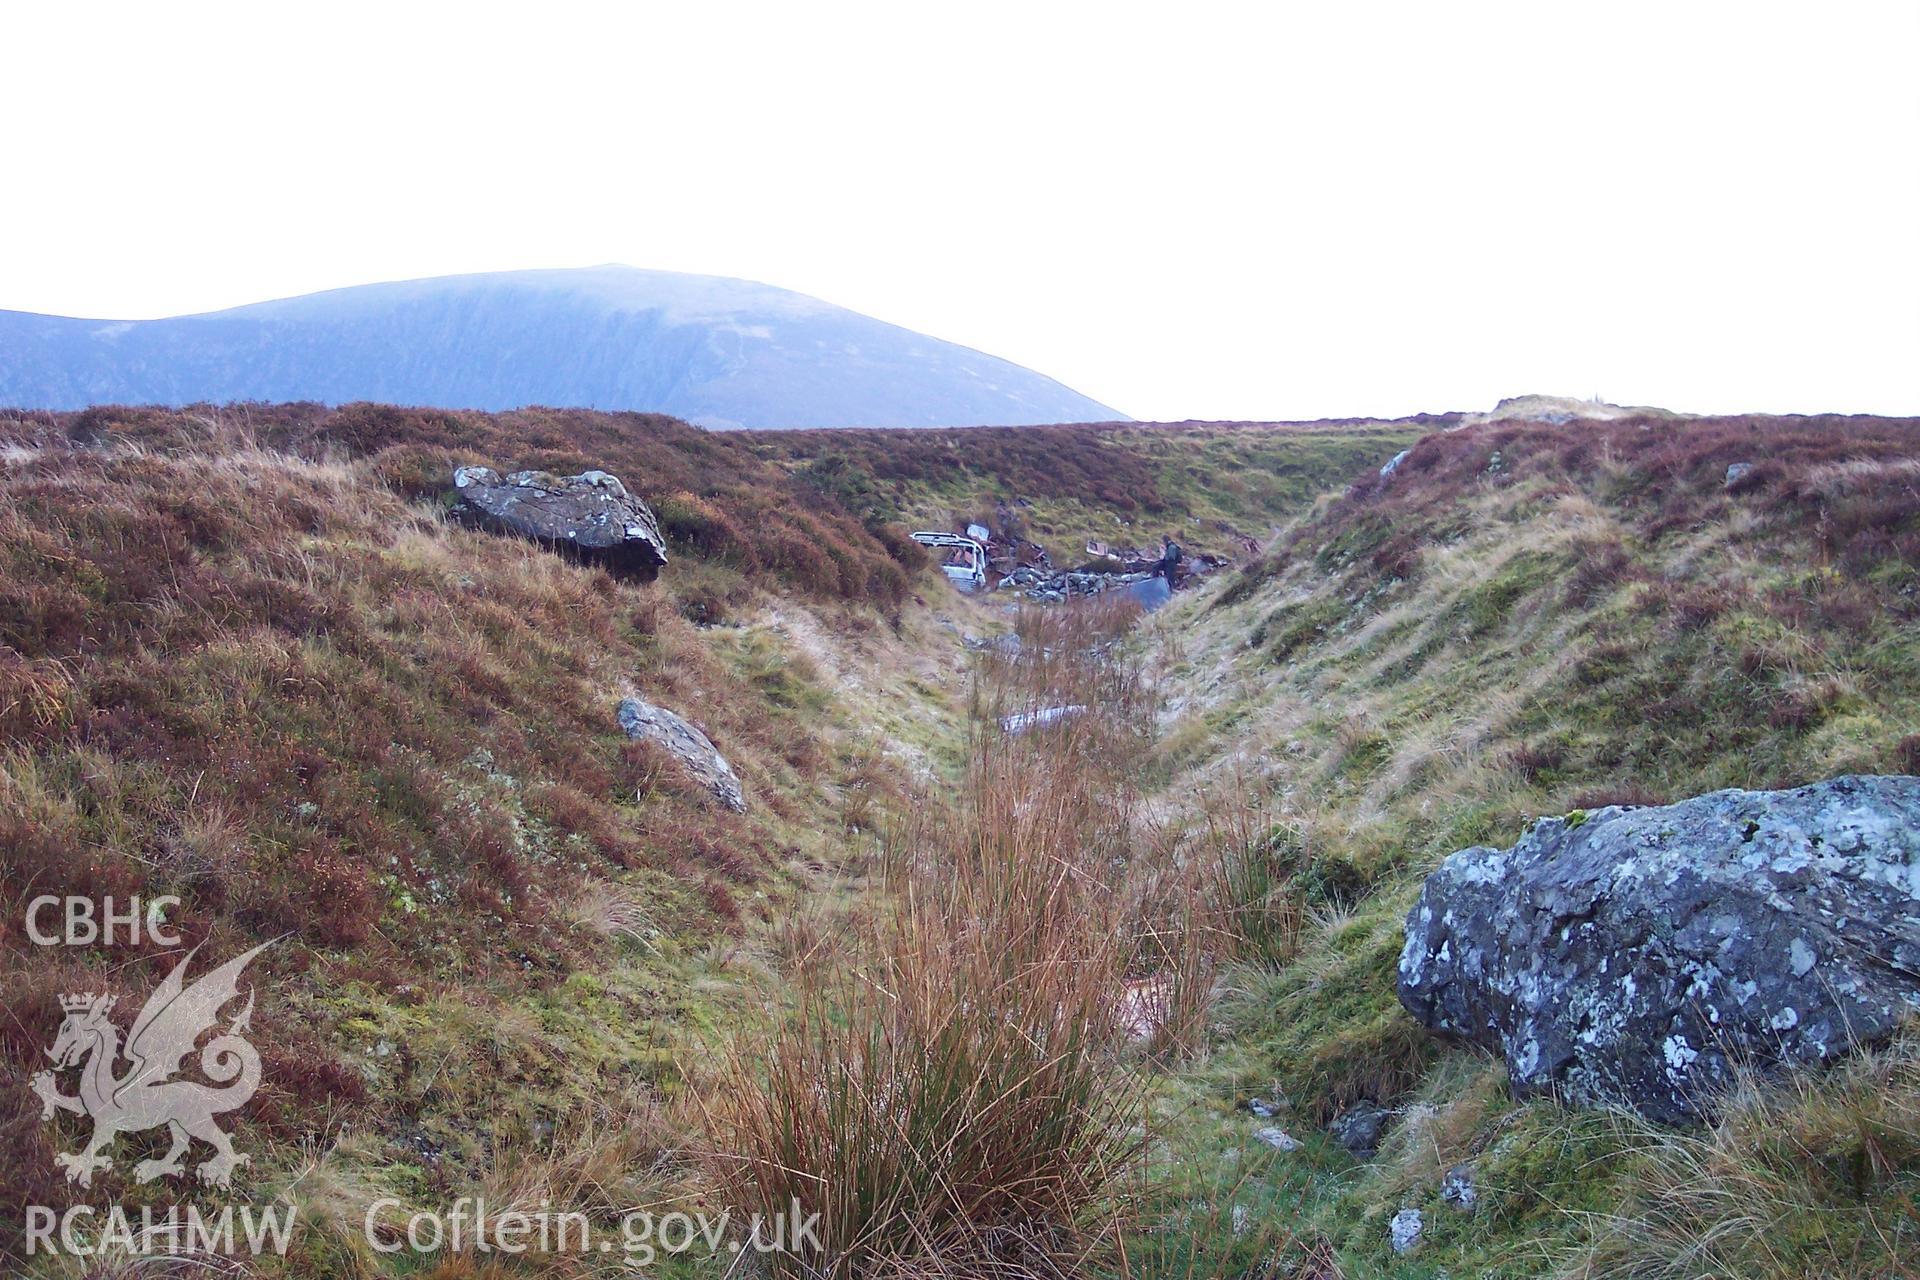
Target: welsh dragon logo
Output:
[{"x": 150, "y": 1093}]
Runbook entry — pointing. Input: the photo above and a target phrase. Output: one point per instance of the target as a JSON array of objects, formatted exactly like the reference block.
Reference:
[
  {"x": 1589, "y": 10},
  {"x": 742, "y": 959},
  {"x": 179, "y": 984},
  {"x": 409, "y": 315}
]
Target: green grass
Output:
[
  {"x": 1436, "y": 661},
  {"x": 1209, "y": 484},
  {"x": 251, "y": 664}
]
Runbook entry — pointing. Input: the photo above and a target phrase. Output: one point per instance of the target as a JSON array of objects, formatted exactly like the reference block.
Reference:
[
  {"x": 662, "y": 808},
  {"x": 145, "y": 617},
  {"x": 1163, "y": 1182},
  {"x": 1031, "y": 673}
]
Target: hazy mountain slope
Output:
[{"x": 716, "y": 351}]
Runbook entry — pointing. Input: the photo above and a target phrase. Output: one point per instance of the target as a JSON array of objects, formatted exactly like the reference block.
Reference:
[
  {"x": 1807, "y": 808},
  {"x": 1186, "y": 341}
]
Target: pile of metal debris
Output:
[
  {"x": 1109, "y": 569},
  {"x": 981, "y": 559},
  {"x": 1053, "y": 586}
]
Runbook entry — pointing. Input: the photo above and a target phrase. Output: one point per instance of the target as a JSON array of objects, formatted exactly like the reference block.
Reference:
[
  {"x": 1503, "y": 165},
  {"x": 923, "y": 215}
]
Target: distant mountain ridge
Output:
[{"x": 717, "y": 351}]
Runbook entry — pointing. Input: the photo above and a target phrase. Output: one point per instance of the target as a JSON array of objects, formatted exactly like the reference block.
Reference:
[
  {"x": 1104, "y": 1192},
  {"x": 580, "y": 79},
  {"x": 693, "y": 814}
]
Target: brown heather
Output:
[
  {"x": 244, "y": 659},
  {"x": 270, "y": 680}
]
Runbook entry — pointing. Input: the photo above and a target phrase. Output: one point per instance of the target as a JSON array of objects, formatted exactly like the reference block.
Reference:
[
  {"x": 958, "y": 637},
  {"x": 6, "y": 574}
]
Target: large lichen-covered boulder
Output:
[
  {"x": 692, "y": 748},
  {"x": 1638, "y": 956},
  {"x": 589, "y": 517}
]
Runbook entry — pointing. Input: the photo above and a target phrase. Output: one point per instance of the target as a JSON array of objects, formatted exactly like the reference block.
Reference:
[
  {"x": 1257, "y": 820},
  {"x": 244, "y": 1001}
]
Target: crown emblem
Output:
[{"x": 82, "y": 1001}]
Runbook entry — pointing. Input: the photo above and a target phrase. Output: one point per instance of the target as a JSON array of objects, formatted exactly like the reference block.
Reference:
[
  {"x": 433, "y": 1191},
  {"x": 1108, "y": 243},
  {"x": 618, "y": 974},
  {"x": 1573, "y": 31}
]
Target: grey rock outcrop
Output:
[
  {"x": 589, "y": 517},
  {"x": 1359, "y": 1127},
  {"x": 1403, "y": 1233},
  {"x": 1639, "y": 956},
  {"x": 692, "y": 748},
  {"x": 1277, "y": 1138},
  {"x": 1458, "y": 1188}
]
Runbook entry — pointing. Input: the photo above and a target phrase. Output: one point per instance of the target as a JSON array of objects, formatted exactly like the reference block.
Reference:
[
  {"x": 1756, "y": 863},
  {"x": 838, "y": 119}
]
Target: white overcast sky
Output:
[{"x": 1182, "y": 210}]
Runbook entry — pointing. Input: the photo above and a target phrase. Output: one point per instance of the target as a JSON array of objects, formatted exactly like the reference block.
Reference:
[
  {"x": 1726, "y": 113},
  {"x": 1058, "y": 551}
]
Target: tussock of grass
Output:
[
  {"x": 947, "y": 1103},
  {"x": 957, "y": 1095},
  {"x": 1813, "y": 1175}
]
